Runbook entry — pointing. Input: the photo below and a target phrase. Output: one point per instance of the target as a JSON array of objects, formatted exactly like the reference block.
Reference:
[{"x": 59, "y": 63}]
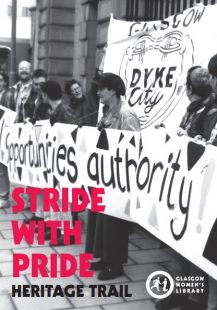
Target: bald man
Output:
[{"x": 23, "y": 90}]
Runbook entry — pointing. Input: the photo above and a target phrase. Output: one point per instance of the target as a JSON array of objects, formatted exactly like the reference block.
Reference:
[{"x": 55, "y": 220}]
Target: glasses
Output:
[{"x": 74, "y": 90}]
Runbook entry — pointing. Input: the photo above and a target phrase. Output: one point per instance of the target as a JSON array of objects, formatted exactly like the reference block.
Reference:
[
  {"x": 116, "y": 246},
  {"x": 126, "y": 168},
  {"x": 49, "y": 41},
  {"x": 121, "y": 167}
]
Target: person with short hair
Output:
[
  {"x": 58, "y": 113},
  {"x": 6, "y": 97},
  {"x": 39, "y": 77},
  {"x": 197, "y": 123},
  {"x": 85, "y": 106},
  {"x": 107, "y": 236},
  {"x": 212, "y": 67},
  {"x": 6, "y": 100},
  {"x": 198, "y": 90},
  {"x": 22, "y": 91},
  {"x": 39, "y": 111}
]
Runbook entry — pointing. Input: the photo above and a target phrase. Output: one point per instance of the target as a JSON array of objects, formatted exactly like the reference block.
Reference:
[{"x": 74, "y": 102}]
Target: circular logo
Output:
[{"x": 160, "y": 284}]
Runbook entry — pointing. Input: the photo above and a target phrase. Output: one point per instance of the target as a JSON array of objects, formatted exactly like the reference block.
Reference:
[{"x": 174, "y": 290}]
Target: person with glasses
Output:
[
  {"x": 22, "y": 91},
  {"x": 6, "y": 100},
  {"x": 85, "y": 106}
]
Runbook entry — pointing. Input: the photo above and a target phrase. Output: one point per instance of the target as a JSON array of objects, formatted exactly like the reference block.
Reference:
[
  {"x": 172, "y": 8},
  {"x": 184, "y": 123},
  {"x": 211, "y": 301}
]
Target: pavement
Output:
[{"x": 146, "y": 255}]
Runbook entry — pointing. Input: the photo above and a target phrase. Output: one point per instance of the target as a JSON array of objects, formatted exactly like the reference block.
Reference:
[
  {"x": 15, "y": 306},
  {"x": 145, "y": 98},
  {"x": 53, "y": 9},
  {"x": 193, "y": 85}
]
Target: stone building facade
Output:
[{"x": 68, "y": 36}]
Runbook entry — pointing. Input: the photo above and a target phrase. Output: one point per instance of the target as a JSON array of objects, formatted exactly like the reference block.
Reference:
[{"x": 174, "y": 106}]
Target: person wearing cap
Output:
[
  {"x": 22, "y": 91},
  {"x": 107, "y": 236}
]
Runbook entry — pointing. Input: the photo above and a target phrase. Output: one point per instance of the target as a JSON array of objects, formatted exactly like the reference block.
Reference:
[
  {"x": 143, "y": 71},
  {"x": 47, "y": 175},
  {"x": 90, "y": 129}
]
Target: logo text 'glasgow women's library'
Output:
[{"x": 160, "y": 284}]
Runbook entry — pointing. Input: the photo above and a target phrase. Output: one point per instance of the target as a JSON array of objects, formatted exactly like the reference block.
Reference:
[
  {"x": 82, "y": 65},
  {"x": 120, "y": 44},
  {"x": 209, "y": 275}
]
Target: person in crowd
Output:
[
  {"x": 212, "y": 67},
  {"x": 198, "y": 90},
  {"x": 40, "y": 109},
  {"x": 198, "y": 122},
  {"x": 6, "y": 96},
  {"x": 6, "y": 100},
  {"x": 212, "y": 297},
  {"x": 107, "y": 236},
  {"x": 22, "y": 91},
  {"x": 58, "y": 113},
  {"x": 85, "y": 106}
]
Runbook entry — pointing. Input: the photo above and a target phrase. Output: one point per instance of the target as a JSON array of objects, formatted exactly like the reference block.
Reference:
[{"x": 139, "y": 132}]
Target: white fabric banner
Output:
[
  {"x": 63, "y": 155},
  {"x": 175, "y": 195},
  {"x": 153, "y": 58},
  {"x": 168, "y": 187}
]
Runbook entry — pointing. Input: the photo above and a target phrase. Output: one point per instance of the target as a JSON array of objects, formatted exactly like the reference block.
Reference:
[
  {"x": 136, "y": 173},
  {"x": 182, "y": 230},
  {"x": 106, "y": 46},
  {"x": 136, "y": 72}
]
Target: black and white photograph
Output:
[{"x": 108, "y": 170}]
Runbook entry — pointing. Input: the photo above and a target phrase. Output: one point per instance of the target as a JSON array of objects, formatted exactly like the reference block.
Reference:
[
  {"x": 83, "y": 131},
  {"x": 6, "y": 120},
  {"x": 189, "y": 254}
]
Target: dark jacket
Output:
[
  {"x": 207, "y": 119},
  {"x": 85, "y": 109},
  {"x": 7, "y": 100},
  {"x": 41, "y": 111},
  {"x": 29, "y": 105},
  {"x": 63, "y": 114},
  {"x": 200, "y": 118}
]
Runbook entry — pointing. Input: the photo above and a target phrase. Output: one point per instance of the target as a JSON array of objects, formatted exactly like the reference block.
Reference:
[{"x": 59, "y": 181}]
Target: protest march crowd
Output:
[{"x": 34, "y": 98}]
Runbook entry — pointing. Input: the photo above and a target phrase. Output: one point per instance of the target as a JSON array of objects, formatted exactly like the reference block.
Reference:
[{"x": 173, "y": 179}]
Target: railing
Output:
[{"x": 159, "y": 9}]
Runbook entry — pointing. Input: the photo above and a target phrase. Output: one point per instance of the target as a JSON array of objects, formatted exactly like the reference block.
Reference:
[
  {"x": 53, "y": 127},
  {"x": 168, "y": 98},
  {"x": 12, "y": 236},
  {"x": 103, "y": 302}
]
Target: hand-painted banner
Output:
[
  {"x": 68, "y": 156},
  {"x": 167, "y": 185},
  {"x": 175, "y": 195},
  {"x": 7, "y": 118},
  {"x": 153, "y": 59}
]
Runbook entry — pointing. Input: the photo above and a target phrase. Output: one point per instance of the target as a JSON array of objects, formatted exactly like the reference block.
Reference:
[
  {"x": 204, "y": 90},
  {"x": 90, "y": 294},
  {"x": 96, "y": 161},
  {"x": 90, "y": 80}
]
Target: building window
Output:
[
  {"x": 9, "y": 10},
  {"x": 25, "y": 12},
  {"x": 21, "y": 11}
]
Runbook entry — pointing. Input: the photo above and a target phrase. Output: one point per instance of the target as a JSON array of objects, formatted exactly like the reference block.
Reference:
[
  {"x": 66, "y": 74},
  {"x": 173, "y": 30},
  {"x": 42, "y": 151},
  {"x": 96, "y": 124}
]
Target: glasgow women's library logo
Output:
[{"x": 160, "y": 284}]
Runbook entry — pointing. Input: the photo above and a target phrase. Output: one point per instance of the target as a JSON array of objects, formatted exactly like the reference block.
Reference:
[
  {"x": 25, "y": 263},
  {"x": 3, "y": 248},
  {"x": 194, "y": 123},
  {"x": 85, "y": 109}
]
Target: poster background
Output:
[{"x": 141, "y": 263}]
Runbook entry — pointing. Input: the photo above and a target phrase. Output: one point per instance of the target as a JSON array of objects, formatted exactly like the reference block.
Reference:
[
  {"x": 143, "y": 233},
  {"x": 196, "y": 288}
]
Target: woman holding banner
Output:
[{"x": 107, "y": 236}]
